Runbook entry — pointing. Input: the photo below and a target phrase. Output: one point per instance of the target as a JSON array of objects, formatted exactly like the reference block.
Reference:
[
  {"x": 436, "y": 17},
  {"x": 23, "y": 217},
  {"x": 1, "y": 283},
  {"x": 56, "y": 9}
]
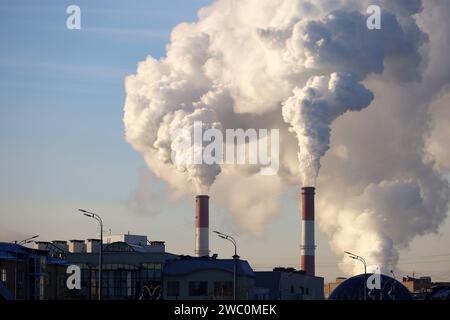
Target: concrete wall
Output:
[
  {"x": 301, "y": 287},
  {"x": 77, "y": 246}
]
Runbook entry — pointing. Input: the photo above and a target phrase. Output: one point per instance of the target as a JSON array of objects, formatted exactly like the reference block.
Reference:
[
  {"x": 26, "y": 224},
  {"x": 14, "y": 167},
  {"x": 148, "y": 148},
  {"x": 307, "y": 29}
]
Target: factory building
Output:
[
  {"x": 135, "y": 268},
  {"x": 417, "y": 285},
  {"x": 131, "y": 269},
  {"x": 424, "y": 288},
  {"x": 288, "y": 284},
  {"x": 30, "y": 274},
  {"x": 207, "y": 278}
]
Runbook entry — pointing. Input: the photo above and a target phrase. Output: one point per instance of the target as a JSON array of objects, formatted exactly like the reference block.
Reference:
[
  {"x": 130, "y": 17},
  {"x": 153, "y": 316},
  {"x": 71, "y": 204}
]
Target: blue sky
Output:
[
  {"x": 61, "y": 132},
  {"x": 62, "y": 92},
  {"x": 61, "y": 105}
]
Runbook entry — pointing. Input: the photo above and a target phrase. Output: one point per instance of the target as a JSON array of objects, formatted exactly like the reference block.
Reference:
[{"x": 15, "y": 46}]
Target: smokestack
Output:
[
  {"x": 202, "y": 226},
  {"x": 307, "y": 247}
]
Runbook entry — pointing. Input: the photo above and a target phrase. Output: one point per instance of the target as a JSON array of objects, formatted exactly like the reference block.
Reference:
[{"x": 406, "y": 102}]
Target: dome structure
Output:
[{"x": 353, "y": 289}]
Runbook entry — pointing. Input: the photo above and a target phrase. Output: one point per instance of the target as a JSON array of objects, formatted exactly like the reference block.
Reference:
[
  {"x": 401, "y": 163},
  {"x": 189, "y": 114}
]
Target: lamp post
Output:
[
  {"x": 235, "y": 257},
  {"x": 100, "y": 263},
  {"x": 359, "y": 258},
  {"x": 22, "y": 242}
]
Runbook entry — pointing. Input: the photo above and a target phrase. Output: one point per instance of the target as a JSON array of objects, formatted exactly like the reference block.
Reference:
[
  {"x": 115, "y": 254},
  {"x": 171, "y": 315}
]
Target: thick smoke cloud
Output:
[
  {"x": 170, "y": 148},
  {"x": 438, "y": 141},
  {"x": 300, "y": 66},
  {"x": 395, "y": 189}
]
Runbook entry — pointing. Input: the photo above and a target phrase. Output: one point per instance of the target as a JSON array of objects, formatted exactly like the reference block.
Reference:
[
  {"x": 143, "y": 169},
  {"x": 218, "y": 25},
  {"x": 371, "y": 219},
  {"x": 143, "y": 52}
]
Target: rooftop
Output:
[{"x": 187, "y": 264}]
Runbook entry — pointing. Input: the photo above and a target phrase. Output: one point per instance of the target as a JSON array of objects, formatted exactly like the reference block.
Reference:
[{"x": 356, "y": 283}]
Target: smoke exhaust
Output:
[
  {"x": 307, "y": 247},
  {"x": 202, "y": 226}
]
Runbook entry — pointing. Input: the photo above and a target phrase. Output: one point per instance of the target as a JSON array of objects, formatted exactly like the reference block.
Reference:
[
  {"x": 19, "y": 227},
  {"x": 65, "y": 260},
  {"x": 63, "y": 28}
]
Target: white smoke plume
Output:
[
  {"x": 300, "y": 66},
  {"x": 311, "y": 111},
  {"x": 201, "y": 175}
]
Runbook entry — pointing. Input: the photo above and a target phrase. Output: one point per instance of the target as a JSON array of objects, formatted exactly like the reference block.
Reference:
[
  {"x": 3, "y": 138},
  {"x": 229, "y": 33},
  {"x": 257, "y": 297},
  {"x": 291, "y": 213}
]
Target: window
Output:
[
  {"x": 151, "y": 272},
  {"x": 3, "y": 275},
  {"x": 307, "y": 290},
  {"x": 118, "y": 247},
  {"x": 198, "y": 288},
  {"x": 302, "y": 290},
  {"x": 223, "y": 289},
  {"x": 292, "y": 289},
  {"x": 120, "y": 283},
  {"x": 173, "y": 288}
]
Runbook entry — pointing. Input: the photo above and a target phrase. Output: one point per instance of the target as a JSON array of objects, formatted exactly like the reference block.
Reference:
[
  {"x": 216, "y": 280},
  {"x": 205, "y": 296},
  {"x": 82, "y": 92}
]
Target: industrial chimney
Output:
[
  {"x": 202, "y": 226},
  {"x": 307, "y": 247}
]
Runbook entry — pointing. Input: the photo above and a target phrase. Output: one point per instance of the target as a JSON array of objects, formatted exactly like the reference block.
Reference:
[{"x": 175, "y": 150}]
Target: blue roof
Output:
[
  {"x": 12, "y": 249},
  {"x": 190, "y": 265}
]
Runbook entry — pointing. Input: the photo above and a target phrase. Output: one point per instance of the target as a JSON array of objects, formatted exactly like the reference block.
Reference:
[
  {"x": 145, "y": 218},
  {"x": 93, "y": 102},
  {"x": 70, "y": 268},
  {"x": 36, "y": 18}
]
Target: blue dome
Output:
[{"x": 353, "y": 289}]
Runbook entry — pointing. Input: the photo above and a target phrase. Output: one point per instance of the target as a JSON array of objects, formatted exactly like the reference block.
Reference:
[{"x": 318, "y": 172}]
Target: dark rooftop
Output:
[{"x": 187, "y": 264}]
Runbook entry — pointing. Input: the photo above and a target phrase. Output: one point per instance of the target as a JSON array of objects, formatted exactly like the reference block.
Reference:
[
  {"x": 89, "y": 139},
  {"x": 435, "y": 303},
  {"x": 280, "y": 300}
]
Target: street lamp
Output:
[
  {"x": 235, "y": 257},
  {"x": 100, "y": 264},
  {"x": 359, "y": 258},
  {"x": 22, "y": 242}
]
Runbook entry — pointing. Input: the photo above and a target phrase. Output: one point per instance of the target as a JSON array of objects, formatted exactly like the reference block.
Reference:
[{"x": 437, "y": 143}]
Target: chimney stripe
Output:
[
  {"x": 307, "y": 247},
  {"x": 202, "y": 225}
]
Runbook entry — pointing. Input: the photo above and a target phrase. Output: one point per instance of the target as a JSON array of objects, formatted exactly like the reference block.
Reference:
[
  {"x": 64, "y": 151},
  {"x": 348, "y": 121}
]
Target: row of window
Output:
[
  {"x": 121, "y": 280},
  {"x": 200, "y": 288},
  {"x": 37, "y": 282},
  {"x": 121, "y": 266}
]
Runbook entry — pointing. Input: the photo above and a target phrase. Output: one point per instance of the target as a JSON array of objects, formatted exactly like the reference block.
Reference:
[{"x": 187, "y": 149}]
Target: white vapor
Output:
[
  {"x": 312, "y": 109},
  {"x": 301, "y": 66}
]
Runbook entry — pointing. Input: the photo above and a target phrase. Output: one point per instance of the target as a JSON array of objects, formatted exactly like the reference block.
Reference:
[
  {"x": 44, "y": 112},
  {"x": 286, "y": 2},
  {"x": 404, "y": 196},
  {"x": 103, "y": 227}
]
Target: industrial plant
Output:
[{"x": 134, "y": 267}]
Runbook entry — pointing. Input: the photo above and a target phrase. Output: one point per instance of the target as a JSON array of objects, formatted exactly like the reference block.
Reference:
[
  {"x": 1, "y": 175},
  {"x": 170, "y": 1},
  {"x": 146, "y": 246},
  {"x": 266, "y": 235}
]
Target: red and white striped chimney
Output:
[
  {"x": 307, "y": 247},
  {"x": 202, "y": 226}
]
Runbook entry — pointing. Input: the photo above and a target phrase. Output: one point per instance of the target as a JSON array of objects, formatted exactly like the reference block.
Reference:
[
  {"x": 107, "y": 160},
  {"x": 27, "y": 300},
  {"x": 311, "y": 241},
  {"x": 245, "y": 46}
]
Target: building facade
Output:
[
  {"x": 207, "y": 278},
  {"x": 288, "y": 284},
  {"x": 30, "y": 274},
  {"x": 129, "y": 270}
]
